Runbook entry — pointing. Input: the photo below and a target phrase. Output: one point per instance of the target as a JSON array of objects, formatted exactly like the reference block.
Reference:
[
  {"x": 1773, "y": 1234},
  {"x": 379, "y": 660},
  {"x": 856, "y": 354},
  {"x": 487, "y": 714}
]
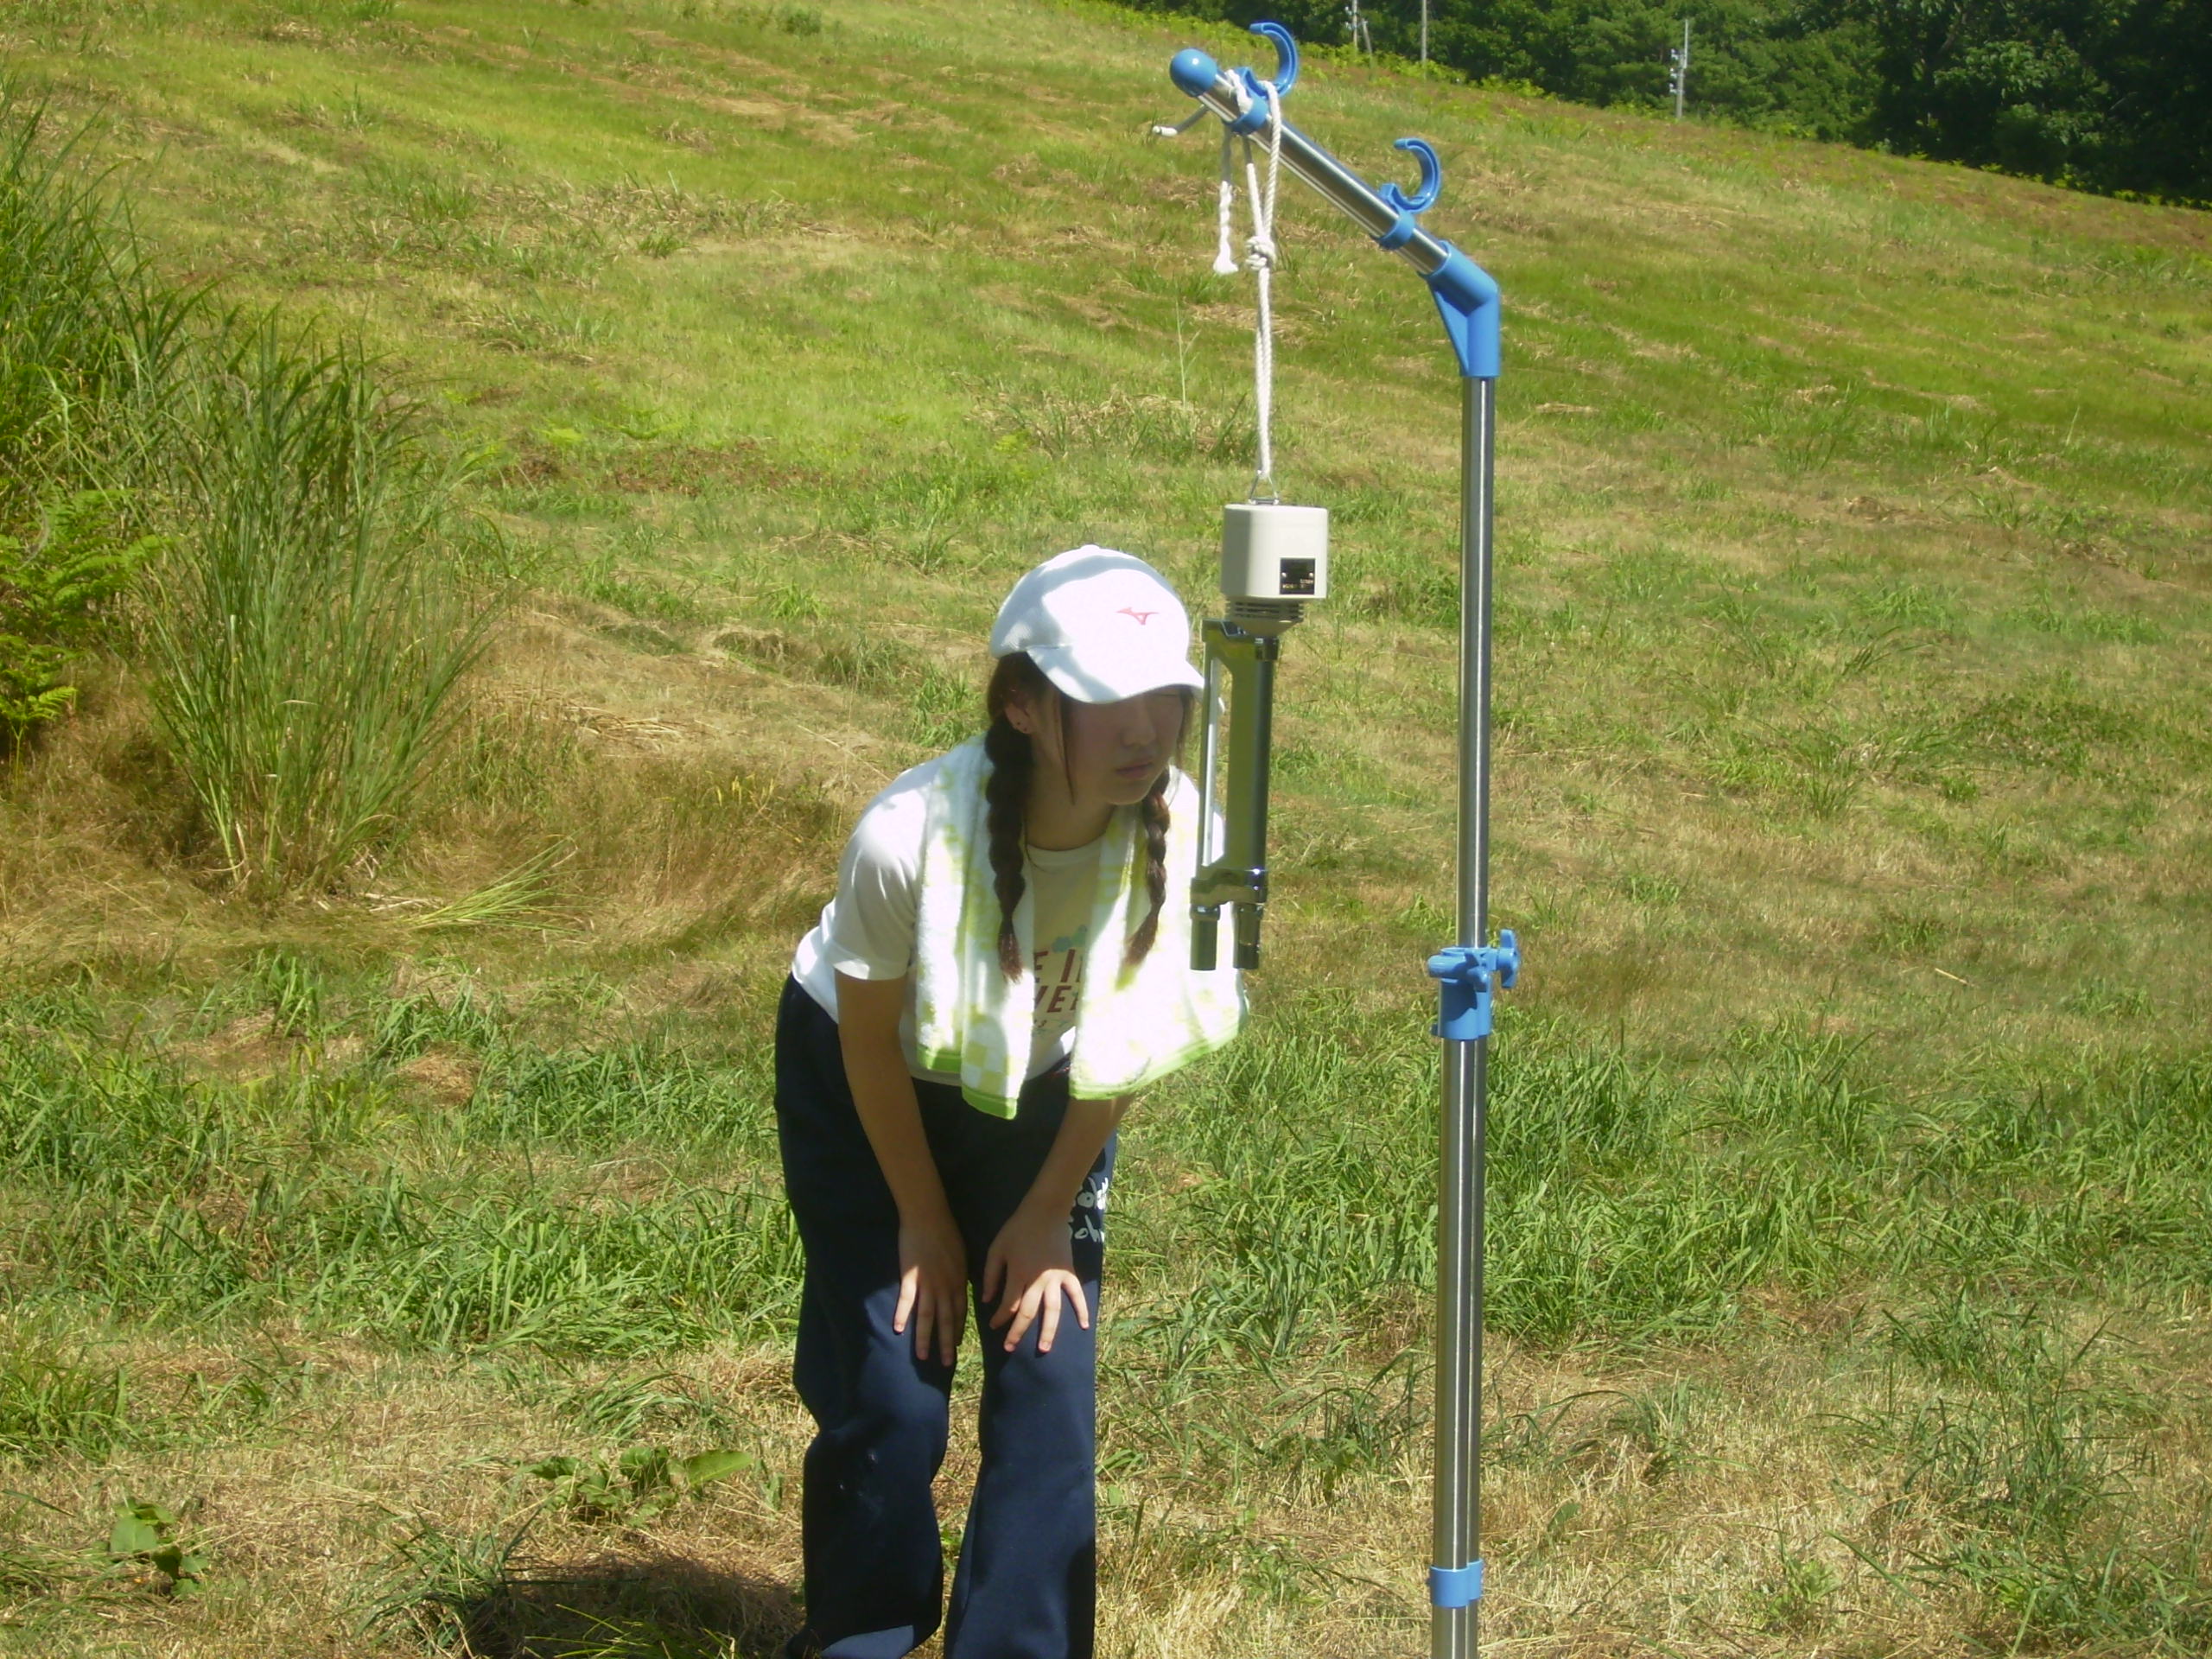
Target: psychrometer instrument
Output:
[{"x": 1274, "y": 562}]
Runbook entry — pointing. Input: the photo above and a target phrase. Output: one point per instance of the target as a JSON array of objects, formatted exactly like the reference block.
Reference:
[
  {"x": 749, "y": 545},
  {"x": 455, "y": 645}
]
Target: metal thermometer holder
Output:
[
  {"x": 1470, "y": 970},
  {"x": 1274, "y": 562}
]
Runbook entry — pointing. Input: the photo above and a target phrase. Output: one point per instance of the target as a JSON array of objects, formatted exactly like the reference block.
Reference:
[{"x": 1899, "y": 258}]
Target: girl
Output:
[{"x": 1006, "y": 960}]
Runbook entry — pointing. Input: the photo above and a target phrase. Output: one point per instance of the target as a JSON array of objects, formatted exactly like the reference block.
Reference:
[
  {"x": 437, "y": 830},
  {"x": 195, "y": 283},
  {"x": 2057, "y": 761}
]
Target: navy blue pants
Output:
[{"x": 1026, "y": 1587}]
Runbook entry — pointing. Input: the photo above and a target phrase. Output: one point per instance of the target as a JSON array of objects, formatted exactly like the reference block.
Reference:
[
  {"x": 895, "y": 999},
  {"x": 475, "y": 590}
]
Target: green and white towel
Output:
[{"x": 1135, "y": 1024}]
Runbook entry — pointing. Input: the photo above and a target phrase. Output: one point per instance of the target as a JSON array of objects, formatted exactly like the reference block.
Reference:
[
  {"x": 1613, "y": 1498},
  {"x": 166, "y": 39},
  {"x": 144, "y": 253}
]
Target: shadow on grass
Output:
[{"x": 636, "y": 1607}]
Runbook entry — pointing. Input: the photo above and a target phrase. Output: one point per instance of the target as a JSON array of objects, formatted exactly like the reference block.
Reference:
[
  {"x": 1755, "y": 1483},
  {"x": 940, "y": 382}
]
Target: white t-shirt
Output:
[{"x": 867, "y": 930}]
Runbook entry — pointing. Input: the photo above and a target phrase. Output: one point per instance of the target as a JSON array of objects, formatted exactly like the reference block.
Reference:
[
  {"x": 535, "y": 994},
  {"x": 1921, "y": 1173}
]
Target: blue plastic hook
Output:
[
  {"x": 1431, "y": 179},
  {"x": 1286, "y": 55},
  {"x": 1265, "y": 93},
  {"x": 1423, "y": 197}
]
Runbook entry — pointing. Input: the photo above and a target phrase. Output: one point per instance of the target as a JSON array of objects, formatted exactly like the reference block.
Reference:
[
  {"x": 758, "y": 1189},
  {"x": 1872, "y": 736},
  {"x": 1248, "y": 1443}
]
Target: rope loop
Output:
[{"x": 1261, "y": 252}]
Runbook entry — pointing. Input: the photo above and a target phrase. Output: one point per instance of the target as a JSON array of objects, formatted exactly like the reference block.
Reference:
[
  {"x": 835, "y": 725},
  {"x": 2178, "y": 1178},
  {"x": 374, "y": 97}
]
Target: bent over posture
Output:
[{"x": 1005, "y": 962}]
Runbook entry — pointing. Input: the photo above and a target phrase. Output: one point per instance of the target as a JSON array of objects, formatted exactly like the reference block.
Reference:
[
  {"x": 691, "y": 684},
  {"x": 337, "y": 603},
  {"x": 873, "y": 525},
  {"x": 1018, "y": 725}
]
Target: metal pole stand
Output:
[{"x": 1470, "y": 971}]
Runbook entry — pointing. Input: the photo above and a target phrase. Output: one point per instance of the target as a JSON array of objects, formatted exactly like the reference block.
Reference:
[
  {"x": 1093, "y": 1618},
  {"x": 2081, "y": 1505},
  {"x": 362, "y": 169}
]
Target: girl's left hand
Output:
[{"x": 1032, "y": 1263}]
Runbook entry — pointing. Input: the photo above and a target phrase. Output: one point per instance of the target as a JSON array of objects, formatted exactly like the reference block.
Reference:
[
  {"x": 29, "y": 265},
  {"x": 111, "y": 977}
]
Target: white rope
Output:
[
  {"x": 1224, "y": 257},
  {"x": 1259, "y": 255}
]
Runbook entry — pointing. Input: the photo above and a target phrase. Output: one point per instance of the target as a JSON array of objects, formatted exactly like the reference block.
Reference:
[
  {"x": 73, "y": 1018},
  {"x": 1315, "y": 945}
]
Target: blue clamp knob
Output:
[
  {"x": 1455, "y": 1586},
  {"x": 1264, "y": 93},
  {"x": 1464, "y": 973}
]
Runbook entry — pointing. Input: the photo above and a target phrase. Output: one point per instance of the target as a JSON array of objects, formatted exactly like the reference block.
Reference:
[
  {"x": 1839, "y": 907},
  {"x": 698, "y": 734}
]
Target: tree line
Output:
[{"x": 2109, "y": 95}]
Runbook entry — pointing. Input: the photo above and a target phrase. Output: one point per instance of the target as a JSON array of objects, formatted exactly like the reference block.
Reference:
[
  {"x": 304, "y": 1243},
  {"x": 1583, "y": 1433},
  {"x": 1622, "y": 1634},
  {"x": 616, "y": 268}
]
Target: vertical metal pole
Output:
[
  {"x": 1424, "y": 31},
  {"x": 1467, "y": 298},
  {"x": 1683, "y": 70},
  {"x": 1455, "y": 1632}
]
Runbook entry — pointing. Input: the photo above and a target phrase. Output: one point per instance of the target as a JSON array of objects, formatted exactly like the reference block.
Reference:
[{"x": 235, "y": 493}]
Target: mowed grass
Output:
[{"x": 1853, "y": 1131}]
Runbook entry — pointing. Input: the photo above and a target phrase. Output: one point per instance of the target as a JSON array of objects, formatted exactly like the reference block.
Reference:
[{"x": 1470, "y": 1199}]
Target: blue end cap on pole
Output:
[
  {"x": 1194, "y": 74},
  {"x": 1193, "y": 71},
  {"x": 1466, "y": 974},
  {"x": 1467, "y": 299},
  {"x": 1455, "y": 1586}
]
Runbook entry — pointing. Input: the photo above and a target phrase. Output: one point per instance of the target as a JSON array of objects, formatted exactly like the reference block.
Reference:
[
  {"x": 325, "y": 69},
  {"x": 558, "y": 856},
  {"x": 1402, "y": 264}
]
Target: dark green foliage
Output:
[
  {"x": 1764, "y": 62},
  {"x": 53, "y": 584},
  {"x": 2107, "y": 94},
  {"x": 85, "y": 334},
  {"x": 2115, "y": 94}
]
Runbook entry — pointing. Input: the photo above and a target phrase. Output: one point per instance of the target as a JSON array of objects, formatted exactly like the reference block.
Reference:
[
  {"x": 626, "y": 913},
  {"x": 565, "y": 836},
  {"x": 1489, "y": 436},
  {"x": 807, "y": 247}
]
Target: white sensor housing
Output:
[{"x": 1270, "y": 552}]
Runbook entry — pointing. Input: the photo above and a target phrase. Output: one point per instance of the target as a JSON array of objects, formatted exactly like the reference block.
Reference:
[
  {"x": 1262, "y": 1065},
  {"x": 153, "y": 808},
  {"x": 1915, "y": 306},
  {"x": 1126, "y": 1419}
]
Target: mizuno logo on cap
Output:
[{"x": 1142, "y": 617}]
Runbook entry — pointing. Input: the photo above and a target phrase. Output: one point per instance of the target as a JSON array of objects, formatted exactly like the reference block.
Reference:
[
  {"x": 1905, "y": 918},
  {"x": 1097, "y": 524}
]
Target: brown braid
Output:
[
  {"x": 1014, "y": 762},
  {"x": 1154, "y": 808}
]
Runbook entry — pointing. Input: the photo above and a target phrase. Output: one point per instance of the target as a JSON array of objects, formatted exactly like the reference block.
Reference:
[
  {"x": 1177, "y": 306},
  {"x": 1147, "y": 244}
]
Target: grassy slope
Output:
[
  {"x": 1854, "y": 605},
  {"x": 1851, "y": 510}
]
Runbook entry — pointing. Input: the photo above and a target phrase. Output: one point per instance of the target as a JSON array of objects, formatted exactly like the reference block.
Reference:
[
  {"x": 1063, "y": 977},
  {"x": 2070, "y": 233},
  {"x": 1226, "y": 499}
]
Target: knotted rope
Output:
[{"x": 1259, "y": 255}]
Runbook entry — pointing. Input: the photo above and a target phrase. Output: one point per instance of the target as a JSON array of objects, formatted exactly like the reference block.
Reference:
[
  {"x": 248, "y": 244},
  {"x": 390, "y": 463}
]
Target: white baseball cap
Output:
[{"x": 1104, "y": 625}]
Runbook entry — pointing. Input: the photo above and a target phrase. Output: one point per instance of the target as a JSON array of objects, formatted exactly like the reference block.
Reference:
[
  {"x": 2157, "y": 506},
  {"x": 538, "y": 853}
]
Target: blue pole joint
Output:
[
  {"x": 1468, "y": 975},
  {"x": 1263, "y": 93},
  {"x": 1467, "y": 300},
  {"x": 1455, "y": 1586}
]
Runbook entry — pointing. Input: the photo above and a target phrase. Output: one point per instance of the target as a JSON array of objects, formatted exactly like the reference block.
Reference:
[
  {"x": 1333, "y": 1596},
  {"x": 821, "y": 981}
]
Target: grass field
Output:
[{"x": 1852, "y": 1144}]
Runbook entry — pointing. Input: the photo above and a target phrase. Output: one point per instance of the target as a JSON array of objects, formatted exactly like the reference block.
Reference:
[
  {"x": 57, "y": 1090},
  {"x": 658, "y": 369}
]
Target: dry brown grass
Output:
[{"x": 1716, "y": 1522}]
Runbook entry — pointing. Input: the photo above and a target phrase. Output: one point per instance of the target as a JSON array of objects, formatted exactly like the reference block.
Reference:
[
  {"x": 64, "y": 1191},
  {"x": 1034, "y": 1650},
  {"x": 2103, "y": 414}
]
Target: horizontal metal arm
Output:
[
  {"x": 1224, "y": 94},
  {"x": 1465, "y": 294}
]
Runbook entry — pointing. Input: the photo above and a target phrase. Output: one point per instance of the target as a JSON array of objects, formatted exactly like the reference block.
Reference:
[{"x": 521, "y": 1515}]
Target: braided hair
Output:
[{"x": 1006, "y": 794}]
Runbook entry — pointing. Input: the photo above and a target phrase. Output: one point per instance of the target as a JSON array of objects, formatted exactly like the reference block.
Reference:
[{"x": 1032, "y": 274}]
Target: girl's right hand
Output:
[{"x": 932, "y": 1285}]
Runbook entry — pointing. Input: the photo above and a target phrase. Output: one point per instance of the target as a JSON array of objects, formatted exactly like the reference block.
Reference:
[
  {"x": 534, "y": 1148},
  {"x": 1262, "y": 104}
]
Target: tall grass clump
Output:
[
  {"x": 306, "y": 635},
  {"x": 88, "y": 341},
  {"x": 86, "y": 330}
]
